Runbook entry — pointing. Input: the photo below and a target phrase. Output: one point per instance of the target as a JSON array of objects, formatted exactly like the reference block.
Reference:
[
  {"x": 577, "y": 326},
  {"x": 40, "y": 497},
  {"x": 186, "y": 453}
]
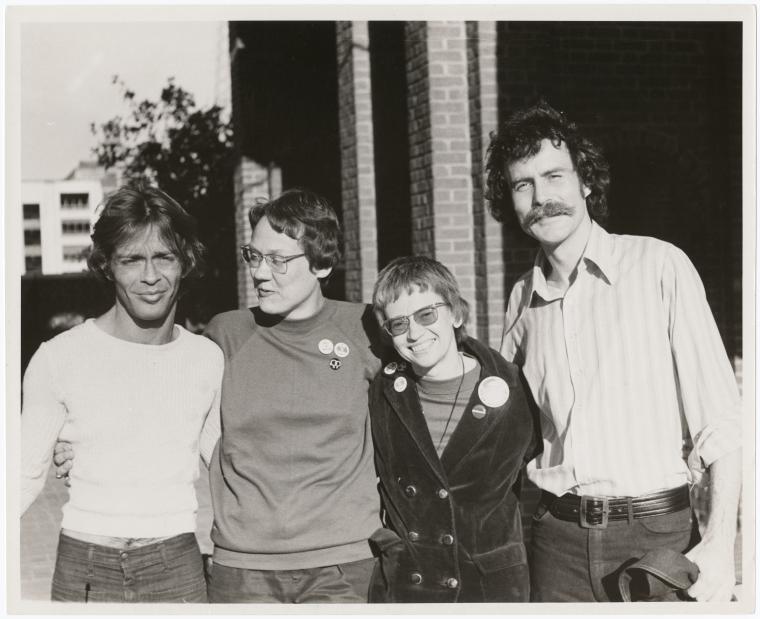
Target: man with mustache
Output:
[{"x": 617, "y": 342}]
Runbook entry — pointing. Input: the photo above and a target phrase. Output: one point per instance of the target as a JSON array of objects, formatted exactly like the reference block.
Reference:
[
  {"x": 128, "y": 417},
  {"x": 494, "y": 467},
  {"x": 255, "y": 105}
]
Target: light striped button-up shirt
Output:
[{"x": 616, "y": 363}]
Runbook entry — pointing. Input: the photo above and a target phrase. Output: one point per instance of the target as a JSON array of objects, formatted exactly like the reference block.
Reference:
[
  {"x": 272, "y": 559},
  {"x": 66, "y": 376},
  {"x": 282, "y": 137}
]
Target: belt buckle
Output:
[{"x": 588, "y": 507}]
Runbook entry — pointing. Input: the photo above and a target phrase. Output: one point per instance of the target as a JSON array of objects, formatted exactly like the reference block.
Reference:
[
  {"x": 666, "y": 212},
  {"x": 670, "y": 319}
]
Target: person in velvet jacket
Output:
[{"x": 453, "y": 426}]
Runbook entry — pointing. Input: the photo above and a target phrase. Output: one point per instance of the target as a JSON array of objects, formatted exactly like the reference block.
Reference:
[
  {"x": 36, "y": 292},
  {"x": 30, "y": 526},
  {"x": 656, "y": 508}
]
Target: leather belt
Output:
[{"x": 594, "y": 512}]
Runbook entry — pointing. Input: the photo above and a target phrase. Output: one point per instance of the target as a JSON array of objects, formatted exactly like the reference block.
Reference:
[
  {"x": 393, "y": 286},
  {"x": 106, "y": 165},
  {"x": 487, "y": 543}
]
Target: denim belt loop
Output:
[
  {"x": 90, "y": 562},
  {"x": 162, "y": 550}
]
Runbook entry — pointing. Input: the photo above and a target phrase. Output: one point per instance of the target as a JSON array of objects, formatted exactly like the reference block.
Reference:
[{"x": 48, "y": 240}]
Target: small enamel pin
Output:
[
  {"x": 479, "y": 411},
  {"x": 390, "y": 368}
]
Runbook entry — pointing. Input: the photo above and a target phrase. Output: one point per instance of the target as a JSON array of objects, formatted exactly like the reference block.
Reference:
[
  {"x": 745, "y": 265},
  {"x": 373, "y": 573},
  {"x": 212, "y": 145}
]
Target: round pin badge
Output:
[
  {"x": 390, "y": 368},
  {"x": 341, "y": 349},
  {"x": 335, "y": 364},
  {"x": 325, "y": 346},
  {"x": 478, "y": 411},
  {"x": 493, "y": 391},
  {"x": 399, "y": 384}
]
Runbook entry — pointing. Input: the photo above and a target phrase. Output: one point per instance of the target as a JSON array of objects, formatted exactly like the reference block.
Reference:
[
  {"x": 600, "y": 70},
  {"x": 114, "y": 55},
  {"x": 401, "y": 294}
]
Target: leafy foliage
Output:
[{"x": 189, "y": 153}]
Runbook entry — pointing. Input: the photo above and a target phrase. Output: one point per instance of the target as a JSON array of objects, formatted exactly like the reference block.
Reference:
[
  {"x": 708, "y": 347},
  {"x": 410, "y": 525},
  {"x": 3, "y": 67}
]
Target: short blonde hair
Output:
[{"x": 410, "y": 272}]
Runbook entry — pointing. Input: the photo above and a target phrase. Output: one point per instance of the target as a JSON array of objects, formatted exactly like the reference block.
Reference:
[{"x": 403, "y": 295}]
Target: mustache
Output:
[{"x": 551, "y": 208}]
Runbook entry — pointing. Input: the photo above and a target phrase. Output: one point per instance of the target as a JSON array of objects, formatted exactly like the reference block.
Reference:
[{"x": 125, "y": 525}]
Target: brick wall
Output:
[
  {"x": 420, "y": 141},
  {"x": 252, "y": 181},
  {"x": 476, "y": 174},
  {"x": 451, "y": 156},
  {"x": 357, "y": 160},
  {"x": 483, "y": 104},
  {"x": 664, "y": 100}
]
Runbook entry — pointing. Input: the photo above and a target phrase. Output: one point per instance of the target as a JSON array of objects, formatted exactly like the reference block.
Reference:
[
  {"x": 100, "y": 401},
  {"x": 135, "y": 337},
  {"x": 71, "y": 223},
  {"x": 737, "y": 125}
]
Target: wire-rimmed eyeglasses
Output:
[
  {"x": 278, "y": 264},
  {"x": 425, "y": 316}
]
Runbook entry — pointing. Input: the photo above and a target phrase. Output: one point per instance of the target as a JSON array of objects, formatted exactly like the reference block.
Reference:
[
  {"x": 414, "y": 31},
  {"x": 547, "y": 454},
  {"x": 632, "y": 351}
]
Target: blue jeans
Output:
[
  {"x": 344, "y": 583},
  {"x": 569, "y": 563},
  {"x": 168, "y": 571}
]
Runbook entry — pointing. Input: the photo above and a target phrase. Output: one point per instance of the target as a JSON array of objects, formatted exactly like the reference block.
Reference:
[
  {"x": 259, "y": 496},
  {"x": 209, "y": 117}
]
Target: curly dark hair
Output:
[
  {"x": 133, "y": 208},
  {"x": 520, "y": 136},
  {"x": 309, "y": 219}
]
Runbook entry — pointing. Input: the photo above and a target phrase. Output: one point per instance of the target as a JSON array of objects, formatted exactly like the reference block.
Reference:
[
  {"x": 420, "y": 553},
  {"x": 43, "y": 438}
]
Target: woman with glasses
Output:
[
  {"x": 292, "y": 478},
  {"x": 453, "y": 426}
]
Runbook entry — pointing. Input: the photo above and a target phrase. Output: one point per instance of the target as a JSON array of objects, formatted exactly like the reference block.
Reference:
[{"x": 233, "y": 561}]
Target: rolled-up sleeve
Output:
[{"x": 708, "y": 393}]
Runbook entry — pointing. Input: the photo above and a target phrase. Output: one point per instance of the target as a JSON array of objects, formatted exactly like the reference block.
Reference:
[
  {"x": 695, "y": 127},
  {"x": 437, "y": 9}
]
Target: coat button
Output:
[
  {"x": 447, "y": 540},
  {"x": 452, "y": 583},
  {"x": 416, "y": 578},
  {"x": 414, "y": 536},
  {"x": 443, "y": 493},
  {"x": 410, "y": 491}
]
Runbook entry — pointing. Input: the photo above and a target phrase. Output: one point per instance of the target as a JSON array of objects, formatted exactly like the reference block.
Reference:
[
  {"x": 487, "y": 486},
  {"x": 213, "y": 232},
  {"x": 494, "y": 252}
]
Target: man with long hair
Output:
[{"x": 129, "y": 391}]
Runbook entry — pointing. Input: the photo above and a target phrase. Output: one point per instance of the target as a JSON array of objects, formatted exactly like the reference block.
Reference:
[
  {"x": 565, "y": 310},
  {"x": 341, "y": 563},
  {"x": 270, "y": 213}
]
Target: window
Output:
[
  {"x": 33, "y": 264},
  {"x": 75, "y": 227},
  {"x": 73, "y": 253},
  {"x": 31, "y": 237},
  {"x": 74, "y": 200},
  {"x": 31, "y": 211}
]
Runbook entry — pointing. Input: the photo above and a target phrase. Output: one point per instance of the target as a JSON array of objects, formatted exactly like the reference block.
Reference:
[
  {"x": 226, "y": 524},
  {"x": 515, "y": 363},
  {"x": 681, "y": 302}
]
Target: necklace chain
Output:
[{"x": 453, "y": 406}]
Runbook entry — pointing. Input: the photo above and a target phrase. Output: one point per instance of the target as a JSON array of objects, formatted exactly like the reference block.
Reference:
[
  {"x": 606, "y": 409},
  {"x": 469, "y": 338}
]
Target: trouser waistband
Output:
[{"x": 594, "y": 512}]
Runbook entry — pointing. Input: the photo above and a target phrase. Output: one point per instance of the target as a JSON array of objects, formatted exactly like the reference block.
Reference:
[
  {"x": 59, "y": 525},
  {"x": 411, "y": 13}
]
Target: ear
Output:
[
  {"x": 586, "y": 191},
  {"x": 458, "y": 322}
]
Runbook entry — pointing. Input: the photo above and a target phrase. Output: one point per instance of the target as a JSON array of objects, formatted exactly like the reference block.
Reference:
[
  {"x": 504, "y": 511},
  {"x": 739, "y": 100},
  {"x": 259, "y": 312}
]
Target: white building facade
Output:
[{"x": 57, "y": 220}]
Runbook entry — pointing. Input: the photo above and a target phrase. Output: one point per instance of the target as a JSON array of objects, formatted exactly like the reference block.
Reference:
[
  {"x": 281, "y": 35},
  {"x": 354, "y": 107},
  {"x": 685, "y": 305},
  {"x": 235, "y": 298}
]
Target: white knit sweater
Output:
[{"x": 133, "y": 413}]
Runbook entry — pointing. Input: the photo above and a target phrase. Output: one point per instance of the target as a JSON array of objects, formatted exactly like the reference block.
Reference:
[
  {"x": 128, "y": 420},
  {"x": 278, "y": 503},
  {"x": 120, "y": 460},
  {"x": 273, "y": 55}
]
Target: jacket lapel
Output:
[
  {"x": 470, "y": 430},
  {"x": 406, "y": 405}
]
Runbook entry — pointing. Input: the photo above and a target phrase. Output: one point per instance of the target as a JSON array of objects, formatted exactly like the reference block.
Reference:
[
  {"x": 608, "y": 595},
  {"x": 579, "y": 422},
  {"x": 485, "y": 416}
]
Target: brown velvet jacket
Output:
[{"x": 452, "y": 531}]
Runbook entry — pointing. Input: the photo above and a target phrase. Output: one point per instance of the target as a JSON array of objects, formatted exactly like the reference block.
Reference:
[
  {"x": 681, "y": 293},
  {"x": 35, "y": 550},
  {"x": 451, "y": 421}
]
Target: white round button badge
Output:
[
  {"x": 399, "y": 384},
  {"x": 341, "y": 349},
  {"x": 390, "y": 368},
  {"x": 325, "y": 346},
  {"x": 478, "y": 411},
  {"x": 493, "y": 391}
]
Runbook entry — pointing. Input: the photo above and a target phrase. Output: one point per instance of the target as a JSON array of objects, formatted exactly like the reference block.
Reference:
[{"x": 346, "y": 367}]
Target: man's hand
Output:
[
  {"x": 63, "y": 456},
  {"x": 715, "y": 553},
  {"x": 715, "y": 558}
]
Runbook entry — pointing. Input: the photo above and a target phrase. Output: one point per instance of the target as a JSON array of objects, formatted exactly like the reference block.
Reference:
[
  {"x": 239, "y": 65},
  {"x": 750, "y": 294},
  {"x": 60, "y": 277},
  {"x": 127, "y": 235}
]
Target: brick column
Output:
[
  {"x": 357, "y": 159},
  {"x": 489, "y": 118},
  {"x": 420, "y": 140},
  {"x": 252, "y": 181},
  {"x": 440, "y": 150}
]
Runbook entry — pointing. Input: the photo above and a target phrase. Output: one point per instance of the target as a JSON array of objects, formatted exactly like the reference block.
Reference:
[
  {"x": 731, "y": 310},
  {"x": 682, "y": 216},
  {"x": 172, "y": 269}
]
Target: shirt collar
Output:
[
  {"x": 600, "y": 252},
  {"x": 598, "y": 258}
]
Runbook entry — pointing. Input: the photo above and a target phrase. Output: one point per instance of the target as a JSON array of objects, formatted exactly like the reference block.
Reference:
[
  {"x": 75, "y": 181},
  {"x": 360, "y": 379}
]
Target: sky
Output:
[{"x": 66, "y": 73}]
